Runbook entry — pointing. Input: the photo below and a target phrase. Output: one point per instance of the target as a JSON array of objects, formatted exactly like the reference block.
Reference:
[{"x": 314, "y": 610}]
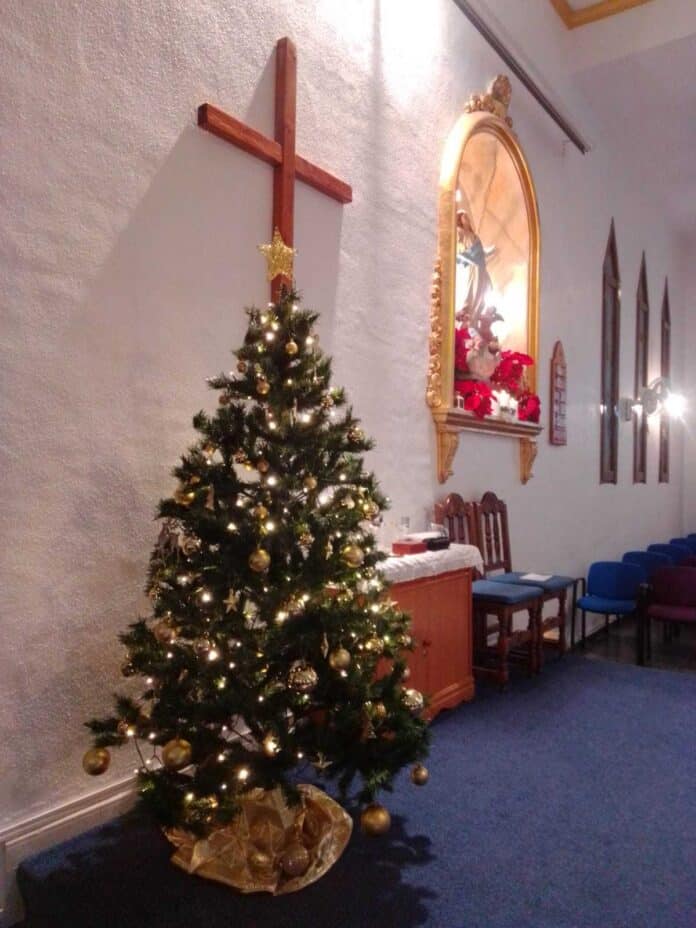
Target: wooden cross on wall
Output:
[{"x": 279, "y": 152}]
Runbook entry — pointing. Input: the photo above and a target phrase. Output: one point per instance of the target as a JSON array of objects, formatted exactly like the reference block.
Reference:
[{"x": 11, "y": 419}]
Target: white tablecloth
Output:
[{"x": 430, "y": 563}]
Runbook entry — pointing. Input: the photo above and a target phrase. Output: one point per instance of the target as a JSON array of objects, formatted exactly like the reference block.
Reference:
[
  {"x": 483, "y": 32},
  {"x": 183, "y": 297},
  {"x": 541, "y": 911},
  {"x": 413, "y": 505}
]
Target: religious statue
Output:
[{"x": 475, "y": 315}]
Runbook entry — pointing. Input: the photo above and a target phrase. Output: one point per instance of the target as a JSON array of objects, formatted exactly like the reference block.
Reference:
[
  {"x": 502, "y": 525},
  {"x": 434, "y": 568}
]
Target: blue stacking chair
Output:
[
  {"x": 691, "y": 539},
  {"x": 612, "y": 589},
  {"x": 648, "y": 561},
  {"x": 689, "y": 542},
  {"x": 677, "y": 553}
]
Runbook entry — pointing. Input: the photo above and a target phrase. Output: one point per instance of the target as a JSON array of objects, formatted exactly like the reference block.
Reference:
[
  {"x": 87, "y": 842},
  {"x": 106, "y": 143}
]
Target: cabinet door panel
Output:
[{"x": 440, "y": 609}]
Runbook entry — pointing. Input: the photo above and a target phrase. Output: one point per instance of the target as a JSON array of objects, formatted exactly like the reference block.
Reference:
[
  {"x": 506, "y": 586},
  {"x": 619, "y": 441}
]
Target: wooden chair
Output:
[
  {"x": 494, "y": 599},
  {"x": 494, "y": 537}
]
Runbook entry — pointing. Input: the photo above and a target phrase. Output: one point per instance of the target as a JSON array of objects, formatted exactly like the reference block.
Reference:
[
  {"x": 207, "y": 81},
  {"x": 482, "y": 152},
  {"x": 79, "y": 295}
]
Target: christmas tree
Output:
[{"x": 272, "y": 645}]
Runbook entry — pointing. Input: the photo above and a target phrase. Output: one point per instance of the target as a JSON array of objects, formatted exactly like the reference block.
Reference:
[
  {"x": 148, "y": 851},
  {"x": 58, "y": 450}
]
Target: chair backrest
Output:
[
  {"x": 689, "y": 561},
  {"x": 675, "y": 586},
  {"x": 648, "y": 561},
  {"x": 458, "y": 518},
  {"x": 676, "y": 553},
  {"x": 493, "y": 533},
  {"x": 614, "y": 580},
  {"x": 687, "y": 542}
]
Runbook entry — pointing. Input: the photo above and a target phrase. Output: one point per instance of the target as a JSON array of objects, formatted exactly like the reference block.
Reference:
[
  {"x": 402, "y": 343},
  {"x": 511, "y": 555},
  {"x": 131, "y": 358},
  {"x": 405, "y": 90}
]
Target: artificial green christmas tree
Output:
[{"x": 272, "y": 644}]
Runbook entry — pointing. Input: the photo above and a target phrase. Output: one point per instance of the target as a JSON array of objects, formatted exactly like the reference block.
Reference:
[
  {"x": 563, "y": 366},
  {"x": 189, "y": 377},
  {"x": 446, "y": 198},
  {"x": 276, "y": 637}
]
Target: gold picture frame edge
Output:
[{"x": 449, "y": 420}]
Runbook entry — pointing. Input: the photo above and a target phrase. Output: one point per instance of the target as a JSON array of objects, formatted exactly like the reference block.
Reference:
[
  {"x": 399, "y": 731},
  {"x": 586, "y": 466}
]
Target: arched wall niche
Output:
[{"x": 485, "y": 295}]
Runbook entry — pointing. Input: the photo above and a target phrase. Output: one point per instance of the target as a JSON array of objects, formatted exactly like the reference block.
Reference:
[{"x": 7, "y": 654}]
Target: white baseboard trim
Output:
[{"x": 42, "y": 831}]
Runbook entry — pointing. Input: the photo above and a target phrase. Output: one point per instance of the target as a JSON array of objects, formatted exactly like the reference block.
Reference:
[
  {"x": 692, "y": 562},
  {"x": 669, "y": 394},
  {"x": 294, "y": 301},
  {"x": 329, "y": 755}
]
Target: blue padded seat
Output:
[
  {"x": 612, "y": 588},
  {"x": 605, "y": 606},
  {"x": 554, "y": 584},
  {"x": 504, "y": 592}
]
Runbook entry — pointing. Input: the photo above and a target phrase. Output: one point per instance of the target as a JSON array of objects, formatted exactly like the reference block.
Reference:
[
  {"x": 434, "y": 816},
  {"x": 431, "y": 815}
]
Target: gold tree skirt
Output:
[{"x": 269, "y": 843}]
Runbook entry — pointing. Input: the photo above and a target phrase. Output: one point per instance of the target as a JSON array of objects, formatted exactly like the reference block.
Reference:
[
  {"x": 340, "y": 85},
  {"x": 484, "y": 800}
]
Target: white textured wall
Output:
[{"x": 128, "y": 249}]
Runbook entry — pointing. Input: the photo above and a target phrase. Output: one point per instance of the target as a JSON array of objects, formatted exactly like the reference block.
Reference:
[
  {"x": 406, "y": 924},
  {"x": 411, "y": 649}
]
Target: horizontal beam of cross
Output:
[{"x": 232, "y": 130}]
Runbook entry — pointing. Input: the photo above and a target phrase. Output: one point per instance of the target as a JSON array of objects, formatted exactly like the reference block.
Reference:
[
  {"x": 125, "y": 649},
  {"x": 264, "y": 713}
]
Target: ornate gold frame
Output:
[{"x": 484, "y": 113}]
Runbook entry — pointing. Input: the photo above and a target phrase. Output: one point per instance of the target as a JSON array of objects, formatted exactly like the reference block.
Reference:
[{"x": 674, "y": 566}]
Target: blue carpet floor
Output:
[{"x": 567, "y": 802}]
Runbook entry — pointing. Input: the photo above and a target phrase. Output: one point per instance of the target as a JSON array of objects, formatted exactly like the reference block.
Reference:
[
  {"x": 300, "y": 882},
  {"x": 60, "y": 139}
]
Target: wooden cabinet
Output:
[{"x": 441, "y": 663}]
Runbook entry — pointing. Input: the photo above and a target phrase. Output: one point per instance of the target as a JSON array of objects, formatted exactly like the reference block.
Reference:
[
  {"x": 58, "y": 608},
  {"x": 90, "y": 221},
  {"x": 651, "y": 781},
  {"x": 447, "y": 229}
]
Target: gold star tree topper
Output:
[{"x": 279, "y": 257}]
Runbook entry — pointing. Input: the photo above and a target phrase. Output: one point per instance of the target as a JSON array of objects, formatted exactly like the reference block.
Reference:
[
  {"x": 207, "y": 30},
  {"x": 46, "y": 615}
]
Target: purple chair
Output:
[{"x": 672, "y": 600}]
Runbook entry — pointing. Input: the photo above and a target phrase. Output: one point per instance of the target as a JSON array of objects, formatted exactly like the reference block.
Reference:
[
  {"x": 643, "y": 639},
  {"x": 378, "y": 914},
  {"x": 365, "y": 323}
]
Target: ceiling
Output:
[{"x": 576, "y": 13}]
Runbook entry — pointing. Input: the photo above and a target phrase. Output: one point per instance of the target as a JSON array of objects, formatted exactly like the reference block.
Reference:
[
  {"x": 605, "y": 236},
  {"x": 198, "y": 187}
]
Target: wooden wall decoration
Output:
[
  {"x": 559, "y": 389},
  {"x": 611, "y": 331},
  {"x": 640, "y": 419},
  {"x": 665, "y": 372}
]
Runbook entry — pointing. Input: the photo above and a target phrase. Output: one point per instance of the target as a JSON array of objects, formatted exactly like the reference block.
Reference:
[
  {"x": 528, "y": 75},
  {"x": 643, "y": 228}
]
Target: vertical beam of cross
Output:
[{"x": 279, "y": 152}]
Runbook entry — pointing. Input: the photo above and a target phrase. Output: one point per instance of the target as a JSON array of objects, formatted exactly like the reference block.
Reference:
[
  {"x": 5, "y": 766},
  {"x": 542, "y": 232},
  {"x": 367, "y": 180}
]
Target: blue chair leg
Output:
[{"x": 584, "y": 627}]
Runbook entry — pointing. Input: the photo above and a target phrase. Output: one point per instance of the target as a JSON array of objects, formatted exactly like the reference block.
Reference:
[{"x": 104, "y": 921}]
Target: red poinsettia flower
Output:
[
  {"x": 462, "y": 343},
  {"x": 510, "y": 370},
  {"x": 528, "y": 407},
  {"x": 478, "y": 397}
]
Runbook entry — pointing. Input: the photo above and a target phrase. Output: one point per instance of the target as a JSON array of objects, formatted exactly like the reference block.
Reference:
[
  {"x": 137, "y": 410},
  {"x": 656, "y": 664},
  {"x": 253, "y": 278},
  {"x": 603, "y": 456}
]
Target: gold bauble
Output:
[
  {"x": 306, "y": 539},
  {"x": 328, "y": 401},
  {"x": 310, "y": 483},
  {"x": 353, "y": 555},
  {"x": 96, "y": 761},
  {"x": 259, "y": 512},
  {"x": 419, "y": 775},
  {"x": 291, "y": 347},
  {"x": 374, "y": 644},
  {"x": 379, "y": 711},
  {"x": 356, "y": 434},
  {"x": 184, "y": 497},
  {"x": 371, "y": 509},
  {"x": 164, "y": 633},
  {"x": 295, "y": 606},
  {"x": 176, "y": 754},
  {"x": 263, "y": 387},
  {"x": 262, "y": 466},
  {"x": 259, "y": 560},
  {"x": 201, "y": 646},
  {"x": 340, "y": 659},
  {"x": 295, "y": 860},
  {"x": 242, "y": 366},
  {"x": 270, "y": 745},
  {"x": 375, "y": 820},
  {"x": 260, "y": 862},
  {"x": 413, "y": 700},
  {"x": 302, "y": 677},
  {"x": 124, "y": 727}
]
